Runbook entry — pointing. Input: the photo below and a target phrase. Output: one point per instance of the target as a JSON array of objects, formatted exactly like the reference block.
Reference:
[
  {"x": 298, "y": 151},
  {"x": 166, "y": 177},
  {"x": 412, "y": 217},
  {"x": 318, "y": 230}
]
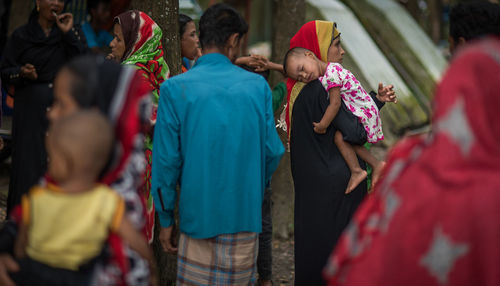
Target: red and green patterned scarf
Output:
[{"x": 143, "y": 49}]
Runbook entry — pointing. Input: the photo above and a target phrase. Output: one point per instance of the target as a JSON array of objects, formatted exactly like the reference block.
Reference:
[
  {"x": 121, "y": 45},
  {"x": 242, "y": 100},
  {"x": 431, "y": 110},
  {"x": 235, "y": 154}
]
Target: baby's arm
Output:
[
  {"x": 331, "y": 111},
  {"x": 386, "y": 93},
  {"x": 137, "y": 242}
]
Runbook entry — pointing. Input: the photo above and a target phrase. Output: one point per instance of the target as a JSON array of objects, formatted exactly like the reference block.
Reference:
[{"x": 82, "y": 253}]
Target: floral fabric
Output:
[
  {"x": 355, "y": 98},
  {"x": 144, "y": 50}
]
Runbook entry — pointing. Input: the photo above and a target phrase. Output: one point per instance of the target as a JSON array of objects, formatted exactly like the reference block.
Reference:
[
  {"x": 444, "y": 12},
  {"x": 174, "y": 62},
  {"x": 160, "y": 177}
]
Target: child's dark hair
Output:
[
  {"x": 88, "y": 74},
  {"x": 92, "y": 4},
  {"x": 265, "y": 73},
  {"x": 218, "y": 23},
  {"x": 474, "y": 19},
  {"x": 291, "y": 53},
  {"x": 183, "y": 20}
]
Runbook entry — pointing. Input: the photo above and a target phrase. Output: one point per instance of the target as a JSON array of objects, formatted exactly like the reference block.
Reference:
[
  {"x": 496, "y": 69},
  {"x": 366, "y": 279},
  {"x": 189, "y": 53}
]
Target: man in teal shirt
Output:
[{"x": 215, "y": 135}]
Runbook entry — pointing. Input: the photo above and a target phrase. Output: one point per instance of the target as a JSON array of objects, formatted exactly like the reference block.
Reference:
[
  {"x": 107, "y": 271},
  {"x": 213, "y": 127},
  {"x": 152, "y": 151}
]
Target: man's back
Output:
[{"x": 226, "y": 145}]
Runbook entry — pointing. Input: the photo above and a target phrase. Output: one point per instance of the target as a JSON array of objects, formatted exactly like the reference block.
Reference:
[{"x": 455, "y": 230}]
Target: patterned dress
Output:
[
  {"x": 143, "y": 49},
  {"x": 355, "y": 98}
]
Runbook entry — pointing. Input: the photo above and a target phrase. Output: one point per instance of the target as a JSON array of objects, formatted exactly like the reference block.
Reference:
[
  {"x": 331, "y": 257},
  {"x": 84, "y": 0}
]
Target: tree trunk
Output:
[
  {"x": 166, "y": 14},
  {"x": 288, "y": 17},
  {"x": 435, "y": 19}
]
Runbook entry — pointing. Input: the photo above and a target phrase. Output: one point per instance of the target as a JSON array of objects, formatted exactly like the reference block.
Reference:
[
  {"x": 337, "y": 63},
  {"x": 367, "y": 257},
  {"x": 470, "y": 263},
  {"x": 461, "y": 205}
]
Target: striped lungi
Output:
[{"x": 227, "y": 259}]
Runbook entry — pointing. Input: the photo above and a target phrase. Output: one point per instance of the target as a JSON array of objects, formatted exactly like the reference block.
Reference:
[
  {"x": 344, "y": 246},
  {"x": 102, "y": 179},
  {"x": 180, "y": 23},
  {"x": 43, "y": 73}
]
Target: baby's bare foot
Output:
[
  {"x": 377, "y": 172},
  {"x": 356, "y": 178}
]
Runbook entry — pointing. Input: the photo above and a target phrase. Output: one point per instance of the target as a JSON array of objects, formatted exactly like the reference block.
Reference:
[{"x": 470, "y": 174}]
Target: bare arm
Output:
[
  {"x": 331, "y": 111},
  {"x": 137, "y": 242}
]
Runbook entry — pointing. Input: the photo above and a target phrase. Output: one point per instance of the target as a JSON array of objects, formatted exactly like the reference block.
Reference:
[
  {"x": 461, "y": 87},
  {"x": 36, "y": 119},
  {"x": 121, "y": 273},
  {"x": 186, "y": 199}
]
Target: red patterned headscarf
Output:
[
  {"x": 433, "y": 219},
  {"x": 143, "y": 48}
]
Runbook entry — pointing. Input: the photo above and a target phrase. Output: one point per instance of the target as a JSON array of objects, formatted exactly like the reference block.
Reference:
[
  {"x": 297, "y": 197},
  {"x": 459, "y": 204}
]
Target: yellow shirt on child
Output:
[{"x": 65, "y": 230}]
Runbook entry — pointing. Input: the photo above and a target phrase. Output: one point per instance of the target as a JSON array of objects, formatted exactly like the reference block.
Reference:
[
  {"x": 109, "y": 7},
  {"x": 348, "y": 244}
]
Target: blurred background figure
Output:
[
  {"x": 472, "y": 20},
  {"x": 433, "y": 218},
  {"x": 190, "y": 49},
  {"x": 98, "y": 38},
  {"x": 50, "y": 247},
  {"x": 31, "y": 59}
]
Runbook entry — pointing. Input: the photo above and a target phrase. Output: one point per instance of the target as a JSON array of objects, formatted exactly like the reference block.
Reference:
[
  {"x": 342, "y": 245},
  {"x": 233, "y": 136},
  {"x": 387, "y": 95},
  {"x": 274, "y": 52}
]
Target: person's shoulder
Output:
[
  {"x": 178, "y": 79},
  {"x": 20, "y": 31},
  {"x": 315, "y": 87},
  {"x": 105, "y": 190}
]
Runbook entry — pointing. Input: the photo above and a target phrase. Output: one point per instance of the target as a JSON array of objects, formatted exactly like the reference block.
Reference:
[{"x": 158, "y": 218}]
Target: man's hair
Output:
[
  {"x": 183, "y": 20},
  {"x": 84, "y": 139},
  {"x": 92, "y": 4},
  {"x": 218, "y": 23},
  {"x": 294, "y": 52},
  {"x": 265, "y": 73},
  {"x": 474, "y": 19}
]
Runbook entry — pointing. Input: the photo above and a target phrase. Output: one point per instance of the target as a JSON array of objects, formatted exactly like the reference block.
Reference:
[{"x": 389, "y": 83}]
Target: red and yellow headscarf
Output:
[{"x": 316, "y": 36}]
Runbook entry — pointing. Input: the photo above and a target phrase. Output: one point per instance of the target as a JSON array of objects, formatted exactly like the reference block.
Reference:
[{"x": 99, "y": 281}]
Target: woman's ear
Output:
[{"x": 233, "y": 41}]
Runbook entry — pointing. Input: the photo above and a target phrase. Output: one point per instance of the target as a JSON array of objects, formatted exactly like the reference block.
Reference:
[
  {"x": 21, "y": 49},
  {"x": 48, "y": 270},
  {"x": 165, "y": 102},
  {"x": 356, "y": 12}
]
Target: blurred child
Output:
[
  {"x": 302, "y": 65},
  {"x": 64, "y": 228}
]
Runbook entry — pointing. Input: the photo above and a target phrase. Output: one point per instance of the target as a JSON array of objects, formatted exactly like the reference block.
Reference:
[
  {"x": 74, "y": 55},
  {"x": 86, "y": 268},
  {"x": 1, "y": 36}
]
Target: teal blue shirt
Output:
[{"x": 215, "y": 135}]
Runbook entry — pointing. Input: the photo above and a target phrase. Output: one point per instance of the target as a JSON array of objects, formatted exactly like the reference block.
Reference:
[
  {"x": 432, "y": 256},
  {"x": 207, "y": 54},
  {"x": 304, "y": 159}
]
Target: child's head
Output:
[
  {"x": 302, "y": 65},
  {"x": 79, "y": 145},
  {"x": 265, "y": 73},
  {"x": 469, "y": 21}
]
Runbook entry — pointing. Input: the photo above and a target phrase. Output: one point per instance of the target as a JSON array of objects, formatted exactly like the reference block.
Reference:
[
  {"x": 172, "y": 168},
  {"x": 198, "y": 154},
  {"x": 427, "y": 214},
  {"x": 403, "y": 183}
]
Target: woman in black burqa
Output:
[{"x": 32, "y": 56}]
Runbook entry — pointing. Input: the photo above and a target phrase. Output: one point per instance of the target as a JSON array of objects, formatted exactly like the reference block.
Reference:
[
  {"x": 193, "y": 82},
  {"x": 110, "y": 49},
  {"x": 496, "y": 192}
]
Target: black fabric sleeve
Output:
[
  {"x": 75, "y": 42},
  {"x": 10, "y": 69},
  {"x": 379, "y": 103},
  {"x": 349, "y": 125}
]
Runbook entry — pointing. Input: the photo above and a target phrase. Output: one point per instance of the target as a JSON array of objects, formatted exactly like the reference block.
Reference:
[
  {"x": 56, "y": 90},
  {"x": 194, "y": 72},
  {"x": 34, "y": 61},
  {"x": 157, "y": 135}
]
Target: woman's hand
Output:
[
  {"x": 386, "y": 93},
  {"x": 111, "y": 57},
  {"x": 29, "y": 71},
  {"x": 64, "y": 21}
]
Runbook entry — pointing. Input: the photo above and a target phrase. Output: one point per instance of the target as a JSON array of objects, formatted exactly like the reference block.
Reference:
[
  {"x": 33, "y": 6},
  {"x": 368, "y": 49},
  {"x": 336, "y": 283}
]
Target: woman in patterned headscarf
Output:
[
  {"x": 320, "y": 174},
  {"x": 137, "y": 41}
]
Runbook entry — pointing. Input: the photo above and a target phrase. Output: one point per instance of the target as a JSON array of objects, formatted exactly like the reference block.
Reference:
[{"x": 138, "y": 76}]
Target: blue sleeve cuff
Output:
[{"x": 166, "y": 218}]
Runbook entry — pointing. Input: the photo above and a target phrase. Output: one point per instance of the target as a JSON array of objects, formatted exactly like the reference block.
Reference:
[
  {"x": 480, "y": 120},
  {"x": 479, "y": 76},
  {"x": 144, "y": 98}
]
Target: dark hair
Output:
[
  {"x": 474, "y": 19},
  {"x": 265, "y": 73},
  {"x": 291, "y": 53},
  {"x": 92, "y": 4},
  {"x": 94, "y": 81},
  {"x": 183, "y": 20},
  {"x": 218, "y": 23}
]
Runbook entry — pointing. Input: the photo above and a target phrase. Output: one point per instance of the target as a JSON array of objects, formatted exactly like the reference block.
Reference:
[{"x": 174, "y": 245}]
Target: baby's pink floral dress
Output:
[{"x": 355, "y": 98}]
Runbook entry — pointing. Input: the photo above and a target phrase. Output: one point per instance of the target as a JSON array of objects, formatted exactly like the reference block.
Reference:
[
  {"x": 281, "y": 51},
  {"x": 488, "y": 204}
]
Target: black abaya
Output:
[
  {"x": 320, "y": 175},
  {"x": 29, "y": 44}
]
